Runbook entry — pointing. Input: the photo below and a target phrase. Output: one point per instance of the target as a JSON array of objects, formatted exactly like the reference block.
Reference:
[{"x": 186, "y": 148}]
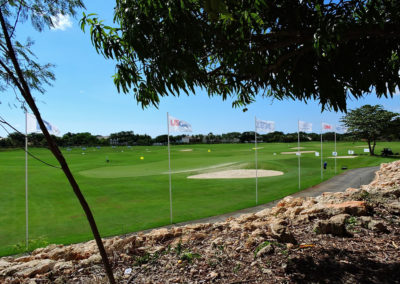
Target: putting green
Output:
[{"x": 148, "y": 169}]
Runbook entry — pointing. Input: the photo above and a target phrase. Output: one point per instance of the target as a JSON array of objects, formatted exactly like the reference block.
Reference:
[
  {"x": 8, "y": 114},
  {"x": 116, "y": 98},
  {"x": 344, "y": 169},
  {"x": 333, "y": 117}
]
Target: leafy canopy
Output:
[
  {"x": 310, "y": 49},
  {"x": 369, "y": 122}
]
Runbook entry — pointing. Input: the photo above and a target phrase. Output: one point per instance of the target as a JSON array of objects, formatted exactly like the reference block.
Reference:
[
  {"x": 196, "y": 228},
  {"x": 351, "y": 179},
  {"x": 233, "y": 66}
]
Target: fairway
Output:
[{"x": 130, "y": 192}]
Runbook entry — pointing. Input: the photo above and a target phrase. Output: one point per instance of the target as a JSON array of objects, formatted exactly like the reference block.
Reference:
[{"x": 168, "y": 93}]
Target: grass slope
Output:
[{"x": 129, "y": 194}]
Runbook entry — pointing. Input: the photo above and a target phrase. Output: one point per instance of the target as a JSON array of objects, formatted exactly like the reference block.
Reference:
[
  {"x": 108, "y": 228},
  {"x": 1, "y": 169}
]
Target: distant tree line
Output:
[{"x": 126, "y": 138}]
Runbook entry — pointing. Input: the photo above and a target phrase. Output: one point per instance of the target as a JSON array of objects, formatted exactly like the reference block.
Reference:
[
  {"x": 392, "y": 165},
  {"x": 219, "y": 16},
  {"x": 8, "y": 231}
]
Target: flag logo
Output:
[
  {"x": 341, "y": 129},
  {"x": 265, "y": 126},
  {"x": 305, "y": 126},
  {"x": 326, "y": 126},
  {"x": 179, "y": 125},
  {"x": 33, "y": 125}
]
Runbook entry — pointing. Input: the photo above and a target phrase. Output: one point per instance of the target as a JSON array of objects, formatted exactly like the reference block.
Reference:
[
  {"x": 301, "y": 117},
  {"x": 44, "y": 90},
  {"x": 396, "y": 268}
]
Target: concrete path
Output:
[{"x": 351, "y": 178}]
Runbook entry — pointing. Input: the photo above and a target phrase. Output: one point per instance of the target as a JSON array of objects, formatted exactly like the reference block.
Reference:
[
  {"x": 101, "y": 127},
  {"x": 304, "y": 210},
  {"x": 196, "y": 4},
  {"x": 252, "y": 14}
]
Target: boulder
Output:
[
  {"x": 263, "y": 213},
  {"x": 336, "y": 225},
  {"x": 93, "y": 259},
  {"x": 394, "y": 207},
  {"x": 378, "y": 226},
  {"x": 159, "y": 235},
  {"x": 289, "y": 202},
  {"x": 62, "y": 265},
  {"x": 279, "y": 231},
  {"x": 4, "y": 264},
  {"x": 365, "y": 220},
  {"x": 31, "y": 268},
  {"x": 354, "y": 208}
]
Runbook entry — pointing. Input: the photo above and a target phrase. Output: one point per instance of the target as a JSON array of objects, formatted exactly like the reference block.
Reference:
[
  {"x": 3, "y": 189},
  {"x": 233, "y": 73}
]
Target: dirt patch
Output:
[
  {"x": 231, "y": 174},
  {"x": 294, "y": 153},
  {"x": 343, "y": 157},
  {"x": 365, "y": 146},
  {"x": 186, "y": 150},
  {"x": 297, "y": 148}
]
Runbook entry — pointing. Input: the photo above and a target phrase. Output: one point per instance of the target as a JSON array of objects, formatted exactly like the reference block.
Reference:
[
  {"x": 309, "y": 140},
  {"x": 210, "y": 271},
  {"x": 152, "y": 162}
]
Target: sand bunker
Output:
[
  {"x": 297, "y": 148},
  {"x": 294, "y": 153},
  {"x": 343, "y": 157},
  {"x": 186, "y": 150},
  {"x": 230, "y": 174}
]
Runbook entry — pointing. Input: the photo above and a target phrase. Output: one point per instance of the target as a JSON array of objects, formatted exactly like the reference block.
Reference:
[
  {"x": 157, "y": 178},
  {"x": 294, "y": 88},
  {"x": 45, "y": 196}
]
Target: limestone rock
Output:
[
  {"x": 4, "y": 264},
  {"x": 394, "y": 207},
  {"x": 336, "y": 225},
  {"x": 265, "y": 250},
  {"x": 94, "y": 259},
  {"x": 62, "y": 265},
  {"x": 160, "y": 235},
  {"x": 31, "y": 268},
  {"x": 378, "y": 226},
  {"x": 263, "y": 213},
  {"x": 354, "y": 208},
  {"x": 280, "y": 232},
  {"x": 365, "y": 220}
]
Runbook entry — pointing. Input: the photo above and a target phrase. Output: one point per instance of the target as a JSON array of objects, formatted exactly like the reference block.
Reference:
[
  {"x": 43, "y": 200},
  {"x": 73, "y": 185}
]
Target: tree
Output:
[
  {"x": 20, "y": 71},
  {"x": 368, "y": 122},
  {"x": 311, "y": 49},
  {"x": 393, "y": 131}
]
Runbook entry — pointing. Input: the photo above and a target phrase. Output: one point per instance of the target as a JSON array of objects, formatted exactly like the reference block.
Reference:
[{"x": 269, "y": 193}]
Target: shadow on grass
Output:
[{"x": 350, "y": 268}]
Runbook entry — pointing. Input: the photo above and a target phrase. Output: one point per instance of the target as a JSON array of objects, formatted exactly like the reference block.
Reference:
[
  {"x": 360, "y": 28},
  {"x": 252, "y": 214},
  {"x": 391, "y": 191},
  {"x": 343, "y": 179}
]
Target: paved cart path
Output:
[{"x": 351, "y": 178}]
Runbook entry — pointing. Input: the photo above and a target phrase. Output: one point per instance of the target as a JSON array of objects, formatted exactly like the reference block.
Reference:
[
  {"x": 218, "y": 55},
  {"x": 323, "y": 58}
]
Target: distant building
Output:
[
  {"x": 102, "y": 137},
  {"x": 185, "y": 140}
]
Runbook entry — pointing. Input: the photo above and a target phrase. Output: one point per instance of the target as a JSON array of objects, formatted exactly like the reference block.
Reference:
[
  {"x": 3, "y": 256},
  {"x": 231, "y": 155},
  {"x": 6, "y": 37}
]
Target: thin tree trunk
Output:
[
  {"x": 26, "y": 94},
  {"x": 373, "y": 148},
  {"x": 371, "y": 151}
]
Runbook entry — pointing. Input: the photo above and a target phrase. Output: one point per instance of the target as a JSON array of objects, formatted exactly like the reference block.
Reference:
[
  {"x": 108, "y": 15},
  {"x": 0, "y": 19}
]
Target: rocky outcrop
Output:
[{"x": 352, "y": 235}]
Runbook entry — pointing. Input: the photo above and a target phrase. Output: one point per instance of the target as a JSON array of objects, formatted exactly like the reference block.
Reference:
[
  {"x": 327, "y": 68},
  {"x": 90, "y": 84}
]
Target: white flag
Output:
[
  {"x": 178, "y": 125},
  {"x": 33, "y": 125},
  {"x": 305, "y": 126},
  {"x": 265, "y": 126},
  {"x": 326, "y": 126},
  {"x": 341, "y": 129}
]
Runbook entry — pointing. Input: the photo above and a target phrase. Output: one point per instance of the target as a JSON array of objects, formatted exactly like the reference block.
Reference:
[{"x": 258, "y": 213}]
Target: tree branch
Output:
[{"x": 55, "y": 150}]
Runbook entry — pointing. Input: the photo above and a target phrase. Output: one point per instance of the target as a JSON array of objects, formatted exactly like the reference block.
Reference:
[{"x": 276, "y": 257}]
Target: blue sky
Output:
[{"x": 84, "y": 99}]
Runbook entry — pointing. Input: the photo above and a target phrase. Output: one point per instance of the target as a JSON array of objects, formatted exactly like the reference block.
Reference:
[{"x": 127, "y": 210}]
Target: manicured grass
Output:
[{"x": 129, "y": 194}]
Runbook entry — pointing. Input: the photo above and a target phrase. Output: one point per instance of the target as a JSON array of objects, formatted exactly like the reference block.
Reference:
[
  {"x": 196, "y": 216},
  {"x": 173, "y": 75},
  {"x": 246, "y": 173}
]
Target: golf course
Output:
[{"x": 128, "y": 187}]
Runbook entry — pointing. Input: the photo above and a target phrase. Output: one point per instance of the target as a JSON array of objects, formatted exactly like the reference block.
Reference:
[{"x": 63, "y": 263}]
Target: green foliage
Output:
[
  {"x": 20, "y": 247},
  {"x": 368, "y": 122},
  {"x": 263, "y": 245},
  {"x": 302, "y": 50},
  {"x": 189, "y": 256},
  {"x": 142, "y": 259},
  {"x": 178, "y": 248},
  {"x": 351, "y": 221}
]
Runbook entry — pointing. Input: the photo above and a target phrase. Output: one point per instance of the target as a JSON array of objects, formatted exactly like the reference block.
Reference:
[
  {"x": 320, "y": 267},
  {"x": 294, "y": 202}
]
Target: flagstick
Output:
[
  {"x": 298, "y": 147},
  {"x": 335, "y": 150},
  {"x": 26, "y": 182},
  {"x": 255, "y": 139},
  {"x": 322, "y": 173},
  {"x": 169, "y": 168}
]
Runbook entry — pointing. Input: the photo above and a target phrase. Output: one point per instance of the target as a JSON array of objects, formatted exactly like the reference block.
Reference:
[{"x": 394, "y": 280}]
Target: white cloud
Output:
[
  {"x": 81, "y": 92},
  {"x": 61, "y": 22}
]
